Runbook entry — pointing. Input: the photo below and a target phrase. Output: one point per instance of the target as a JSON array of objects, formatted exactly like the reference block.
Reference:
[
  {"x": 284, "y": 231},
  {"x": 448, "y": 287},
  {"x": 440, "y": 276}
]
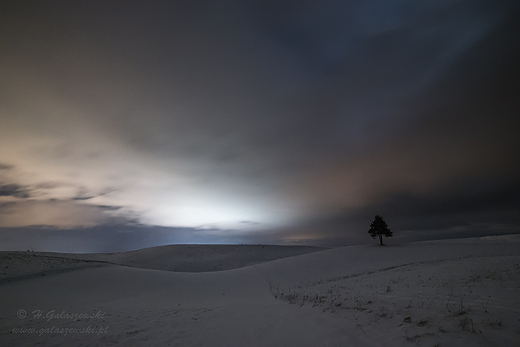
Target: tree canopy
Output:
[{"x": 379, "y": 228}]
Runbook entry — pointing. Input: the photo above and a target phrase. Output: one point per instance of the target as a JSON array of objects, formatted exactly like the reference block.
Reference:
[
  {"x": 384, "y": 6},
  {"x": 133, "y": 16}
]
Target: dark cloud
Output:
[
  {"x": 14, "y": 190},
  {"x": 6, "y": 166},
  {"x": 62, "y": 214},
  {"x": 455, "y": 200},
  {"x": 84, "y": 194},
  {"x": 83, "y": 197},
  {"x": 108, "y": 207}
]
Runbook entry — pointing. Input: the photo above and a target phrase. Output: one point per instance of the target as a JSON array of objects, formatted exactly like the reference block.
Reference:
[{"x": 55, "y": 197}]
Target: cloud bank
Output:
[{"x": 304, "y": 119}]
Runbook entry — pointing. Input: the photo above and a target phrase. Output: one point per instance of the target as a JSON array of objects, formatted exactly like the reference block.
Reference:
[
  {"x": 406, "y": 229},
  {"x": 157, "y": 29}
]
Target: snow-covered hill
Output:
[{"x": 439, "y": 293}]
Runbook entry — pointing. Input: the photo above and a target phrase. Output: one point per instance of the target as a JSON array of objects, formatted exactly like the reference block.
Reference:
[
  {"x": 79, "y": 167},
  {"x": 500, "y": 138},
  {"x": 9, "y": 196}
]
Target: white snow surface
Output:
[{"x": 438, "y": 293}]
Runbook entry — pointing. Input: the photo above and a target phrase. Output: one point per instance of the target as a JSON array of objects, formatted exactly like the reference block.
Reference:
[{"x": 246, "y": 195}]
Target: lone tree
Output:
[{"x": 379, "y": 228}]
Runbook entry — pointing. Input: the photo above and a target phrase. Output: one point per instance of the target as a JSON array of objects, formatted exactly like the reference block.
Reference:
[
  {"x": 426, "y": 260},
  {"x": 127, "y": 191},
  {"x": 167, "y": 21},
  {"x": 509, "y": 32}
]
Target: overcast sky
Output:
[{"x": 134, "y": 123}]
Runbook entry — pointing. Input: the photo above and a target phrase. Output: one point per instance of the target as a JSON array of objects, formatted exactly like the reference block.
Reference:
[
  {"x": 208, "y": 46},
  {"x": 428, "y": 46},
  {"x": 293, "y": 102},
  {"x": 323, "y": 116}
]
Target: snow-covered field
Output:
[{"x": 440, "y": 293}]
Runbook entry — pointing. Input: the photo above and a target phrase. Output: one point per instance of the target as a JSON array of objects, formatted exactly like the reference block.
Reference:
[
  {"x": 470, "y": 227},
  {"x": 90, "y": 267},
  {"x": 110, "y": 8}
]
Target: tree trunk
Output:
[{"x": 381, "y": 239}]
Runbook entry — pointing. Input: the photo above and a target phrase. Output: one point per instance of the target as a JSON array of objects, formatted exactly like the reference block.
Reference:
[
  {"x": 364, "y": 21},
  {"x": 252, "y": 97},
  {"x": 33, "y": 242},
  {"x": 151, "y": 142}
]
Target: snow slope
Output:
[
  {"x": 178, "y": 258},
  {"x": 440, "y": 293},
  {"x": 205, "y": 258}
]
